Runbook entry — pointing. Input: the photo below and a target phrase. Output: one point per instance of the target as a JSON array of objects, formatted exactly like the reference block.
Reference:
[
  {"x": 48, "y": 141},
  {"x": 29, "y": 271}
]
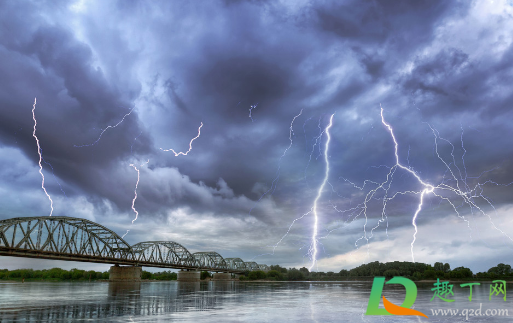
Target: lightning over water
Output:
[
  {"x": 454, "y": 189},
  {"x": 40, "y": 157},
  {"x": 442, "y": 190},
  {"x": 313, "y": 248}
]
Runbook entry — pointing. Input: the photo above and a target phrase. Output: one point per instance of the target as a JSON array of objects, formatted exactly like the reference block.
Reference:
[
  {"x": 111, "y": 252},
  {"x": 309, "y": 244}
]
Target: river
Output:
[{"x": 232, "y": 301}]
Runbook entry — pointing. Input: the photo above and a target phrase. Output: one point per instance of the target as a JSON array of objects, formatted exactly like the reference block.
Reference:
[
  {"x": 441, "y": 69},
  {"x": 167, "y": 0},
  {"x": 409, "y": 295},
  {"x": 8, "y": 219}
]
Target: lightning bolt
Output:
[
  {"x": 251, "y": 108},
  {"x": 275, "y": 181},
  {"x": 467, "y": 194},
  {"x": 190, "y": 144},
  {"x": 454, "y": 184},
  {"x": 40, "y": 157},
  {"x": 107, "y": 128},
  {"x": 135, "y": 194},
  {"x": 53, "y": 173},
  {"x": 428, "y": 187},
  {"x": 313, "y": 248},
  {"x": 135, "y": 139}
]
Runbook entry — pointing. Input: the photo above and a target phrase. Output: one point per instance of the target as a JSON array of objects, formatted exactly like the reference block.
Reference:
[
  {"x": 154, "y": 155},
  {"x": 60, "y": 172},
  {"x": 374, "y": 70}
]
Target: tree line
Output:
[
  {"x": 413, "y": 270},
  {"x": 58, "y": 274}
]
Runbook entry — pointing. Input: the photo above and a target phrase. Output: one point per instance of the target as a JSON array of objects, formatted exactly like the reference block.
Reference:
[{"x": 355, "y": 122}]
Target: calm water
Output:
[{"x": 225, "y": 302}]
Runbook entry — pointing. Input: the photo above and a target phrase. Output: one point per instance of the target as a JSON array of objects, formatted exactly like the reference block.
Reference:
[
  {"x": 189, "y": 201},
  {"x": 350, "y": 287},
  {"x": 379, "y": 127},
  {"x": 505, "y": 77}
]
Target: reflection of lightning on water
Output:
[
  {"x": 107, "y": 128},
  {"x": 190, "y": 144},
  {"x": 40, "y": 157}
]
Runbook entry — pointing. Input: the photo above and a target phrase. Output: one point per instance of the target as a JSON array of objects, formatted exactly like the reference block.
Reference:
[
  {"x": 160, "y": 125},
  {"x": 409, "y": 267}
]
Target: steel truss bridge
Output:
[{"x": 75, "y": 239}]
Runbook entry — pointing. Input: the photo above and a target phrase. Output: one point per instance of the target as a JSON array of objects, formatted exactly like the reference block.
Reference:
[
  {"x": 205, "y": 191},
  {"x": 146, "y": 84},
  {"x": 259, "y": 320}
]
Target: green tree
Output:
[
  {"x": 294, "y": 274},
  {"x": 305, "y": 271},
  {"x": 257, "y": 274},
  {"x": 279, "y": 268},
  {"x": 429, "y": 274},
  {"x": 91, "y": 275},
  {"x": 500, "y": 270},
  {"x": 275, "y": 274},
  {"x": 391, "y": 273},
  {"x": 65, "y": 275},
  {"x": 146, "y": 275},
  {"x": 204, "y": 275},
  {"x": 165, "y": 275},
  {"x": 461, "y": 272}
]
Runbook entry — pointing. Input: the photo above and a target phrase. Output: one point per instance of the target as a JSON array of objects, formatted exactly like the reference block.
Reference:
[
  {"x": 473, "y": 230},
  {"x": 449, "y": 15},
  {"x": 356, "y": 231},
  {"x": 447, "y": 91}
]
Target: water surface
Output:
[{"x": 227, "y": 302}]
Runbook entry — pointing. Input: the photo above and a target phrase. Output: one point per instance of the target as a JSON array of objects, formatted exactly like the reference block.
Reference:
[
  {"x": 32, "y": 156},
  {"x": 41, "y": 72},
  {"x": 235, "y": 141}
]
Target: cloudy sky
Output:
[{"x": 119, "y": 82}]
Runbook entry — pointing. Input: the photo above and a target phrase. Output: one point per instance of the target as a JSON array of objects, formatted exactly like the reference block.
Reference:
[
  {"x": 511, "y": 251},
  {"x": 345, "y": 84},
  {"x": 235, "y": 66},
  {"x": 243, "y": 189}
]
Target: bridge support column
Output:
[
  {"x": 222, "y": 276},
  {"x": 188, "y": 276},
  {"x": 125, "y": 274}
]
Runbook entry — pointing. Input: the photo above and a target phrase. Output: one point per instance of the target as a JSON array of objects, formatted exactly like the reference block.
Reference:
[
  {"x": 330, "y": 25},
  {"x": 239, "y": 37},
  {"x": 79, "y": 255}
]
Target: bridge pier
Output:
[
  {"x": 222, "y": 276},
  {"x": 125, "y": 273},
  {"x": 188, "y": 276}
]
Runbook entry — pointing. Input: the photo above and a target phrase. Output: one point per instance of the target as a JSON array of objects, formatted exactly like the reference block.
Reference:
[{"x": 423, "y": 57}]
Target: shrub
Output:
[
  {"x": 257, "y": 274},
  {"x": 295, "y": 274},
  {"x": 204, "y": 275},
  {"x": 274, "y": 274},
  {"x": 146, "y": 275}
]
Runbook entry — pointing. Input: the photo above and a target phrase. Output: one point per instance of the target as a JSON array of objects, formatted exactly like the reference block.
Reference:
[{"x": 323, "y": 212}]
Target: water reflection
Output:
[
  {"x": 228, "y": 301},
  {"x": 123, "y": 298}
]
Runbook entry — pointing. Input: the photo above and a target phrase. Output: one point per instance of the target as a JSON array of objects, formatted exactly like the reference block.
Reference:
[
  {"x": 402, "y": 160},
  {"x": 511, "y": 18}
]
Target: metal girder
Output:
[
  {"x": 163, "y": 252},
  {"x": 59, "y": 237},
  {"x": 236, "y": 264},
  {"x": 251, "y": 265},
  {"x": 263, "y": 267},
  {"x": 210, "y": 260}
]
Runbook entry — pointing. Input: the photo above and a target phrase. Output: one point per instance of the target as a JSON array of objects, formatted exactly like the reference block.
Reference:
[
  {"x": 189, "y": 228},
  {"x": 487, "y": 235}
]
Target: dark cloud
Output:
[{"x": 399, "y": 22}]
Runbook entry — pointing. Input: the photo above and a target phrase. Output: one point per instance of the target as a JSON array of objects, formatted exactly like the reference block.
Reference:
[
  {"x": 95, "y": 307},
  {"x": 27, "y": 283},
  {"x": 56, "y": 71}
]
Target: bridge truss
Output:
[{"x": 76, "y": 239}]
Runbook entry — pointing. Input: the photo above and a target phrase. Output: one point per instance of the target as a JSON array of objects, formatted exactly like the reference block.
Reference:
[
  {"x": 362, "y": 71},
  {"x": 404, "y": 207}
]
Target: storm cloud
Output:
[{"x": 119, "y": 82}]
